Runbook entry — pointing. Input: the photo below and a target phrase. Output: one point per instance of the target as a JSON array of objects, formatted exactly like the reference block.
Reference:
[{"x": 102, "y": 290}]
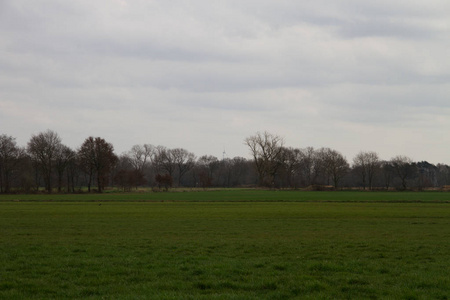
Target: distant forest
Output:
[{"x": 46, "y": 164}]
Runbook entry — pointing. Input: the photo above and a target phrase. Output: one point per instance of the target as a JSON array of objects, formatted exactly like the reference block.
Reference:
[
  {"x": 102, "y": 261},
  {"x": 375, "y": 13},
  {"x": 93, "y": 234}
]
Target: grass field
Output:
[
  {"x": 356, "y": 247},
  {"x": 240, "y": 195}
]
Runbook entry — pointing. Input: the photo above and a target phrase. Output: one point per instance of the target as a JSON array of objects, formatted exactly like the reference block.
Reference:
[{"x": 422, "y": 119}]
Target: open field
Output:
[
  {"x": 240, "y": 195},
  {"x": 225, "y": 250}
]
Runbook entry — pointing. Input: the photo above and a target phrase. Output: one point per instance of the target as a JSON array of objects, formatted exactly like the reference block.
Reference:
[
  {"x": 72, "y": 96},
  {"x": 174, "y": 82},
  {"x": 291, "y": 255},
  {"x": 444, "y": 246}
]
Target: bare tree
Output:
[
  {"x": 98, "y": 156},
  {"x": 443, "y": 174},
  {"x": 43, "y": 149},
  {"x": 184, "y": 160},
  {"x": 366, "y": 164},
  {"x": 64, "y": 156},
  {"x": 207, "y": 166},
  {"x": 164, "y": 161},
  {"x": 73, "y": 171},
  {"x": 138, "y": 159},
  {"x": 266, "y": 149},
  {"x": 404, "y": 168},
  {"x": 427, "y": 174},
  {"x": 165, "y": 181},
  {"x": 310, "y": 166},
  {"x": 387, "y": 171},
  {"x": 335, "y": 165},
  {"x": 10, "y": 155},
  {"x": 291, "y": 158},
  {"x": 140, "y": 155},
  {"x": 234, "y": 172},
  {"x": 85, "y": 160}
]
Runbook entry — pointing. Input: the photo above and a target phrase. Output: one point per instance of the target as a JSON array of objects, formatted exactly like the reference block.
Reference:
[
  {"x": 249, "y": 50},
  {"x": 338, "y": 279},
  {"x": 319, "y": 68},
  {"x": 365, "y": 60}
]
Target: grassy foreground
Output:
[
  {"x": 224, "y": 250},
  {"x": 238, "y": 195}
]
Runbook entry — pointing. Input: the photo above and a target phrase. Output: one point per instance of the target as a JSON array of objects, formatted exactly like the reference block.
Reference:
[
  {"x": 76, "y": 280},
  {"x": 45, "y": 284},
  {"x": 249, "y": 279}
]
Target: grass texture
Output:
[
  {"x": 238, "y": 195},
  {"x": 224, "y": 250}
]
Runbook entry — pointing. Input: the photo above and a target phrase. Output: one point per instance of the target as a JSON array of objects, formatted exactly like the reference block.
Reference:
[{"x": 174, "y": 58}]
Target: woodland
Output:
[{"x": 45, "y": 164}]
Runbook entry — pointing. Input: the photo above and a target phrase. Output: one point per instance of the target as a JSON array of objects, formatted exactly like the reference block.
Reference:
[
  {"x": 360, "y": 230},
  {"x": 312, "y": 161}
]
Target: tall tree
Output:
[
  {"x": 239, "y": 170},
  {"x": 10, "y": 155},
  {"x": 43, "y": 149},
  {"x": 291, "y": 158},
  {"x": 207, "y": 166},
  {"x": 404, "y": 168},
  {"x": 127, "y": 173},
  {"x": 63, "y": 158},
  {"x": 99, "y": 158},
  {"x": 387, "y": 170},
  {"x": 184, "y": 160},
  {"x": 164, "y": 161},
  {"x": 266, "y": 149},
  {"x": 140, "y": 155},
  {"x": 443, "y": 174},
  {"x": 310, "y": 166},
  {"x": 366, "y": 164},
  {"x": 73, "y": 171},
  {"x": 335, "y": 165}
]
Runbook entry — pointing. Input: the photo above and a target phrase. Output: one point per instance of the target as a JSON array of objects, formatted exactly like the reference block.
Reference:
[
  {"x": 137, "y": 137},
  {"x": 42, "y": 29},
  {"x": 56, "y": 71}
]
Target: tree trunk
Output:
[
  {"x": 90, "y": 181},
  {"x": 99, "y": 183}
]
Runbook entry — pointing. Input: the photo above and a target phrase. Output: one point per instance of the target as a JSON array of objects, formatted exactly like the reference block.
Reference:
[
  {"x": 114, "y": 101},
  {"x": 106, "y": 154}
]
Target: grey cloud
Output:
[
  {"x": 328, "y": 68},
  {"x": 387, "y": 27},
  {"x": 357, "y": 19}
]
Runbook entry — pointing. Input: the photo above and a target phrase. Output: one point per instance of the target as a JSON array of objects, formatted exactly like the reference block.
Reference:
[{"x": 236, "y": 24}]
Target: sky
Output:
[{"x": 203, "y": 74}]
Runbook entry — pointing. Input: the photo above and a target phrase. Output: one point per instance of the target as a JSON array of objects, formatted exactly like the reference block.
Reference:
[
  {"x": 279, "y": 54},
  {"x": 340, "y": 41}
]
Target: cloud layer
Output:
[{"x": 204, "y": 75}]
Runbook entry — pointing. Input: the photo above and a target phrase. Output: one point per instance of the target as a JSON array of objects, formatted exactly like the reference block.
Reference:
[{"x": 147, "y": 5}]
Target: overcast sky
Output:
[{"x": 203, "y": 75}]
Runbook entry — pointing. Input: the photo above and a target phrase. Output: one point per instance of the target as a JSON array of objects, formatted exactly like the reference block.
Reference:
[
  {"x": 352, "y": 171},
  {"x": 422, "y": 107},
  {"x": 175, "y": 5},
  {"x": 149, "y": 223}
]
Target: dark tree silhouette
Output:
[
  {"x": 404, "y": 168},
  {"x": 165, "y": 181},
  {"x": 366, "y": 164},
  {"x": 97, "y": 156},
  {"x": 10, "y": 155},
  {"x": 266, "y": 149},
  {"x": 334, "y": 164},
  {"x": 43, "y": 149}
]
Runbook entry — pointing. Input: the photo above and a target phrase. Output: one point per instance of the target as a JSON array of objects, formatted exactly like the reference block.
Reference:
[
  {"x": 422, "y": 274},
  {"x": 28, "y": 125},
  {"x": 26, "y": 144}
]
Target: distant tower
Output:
[{"x": 223, "y": 154}]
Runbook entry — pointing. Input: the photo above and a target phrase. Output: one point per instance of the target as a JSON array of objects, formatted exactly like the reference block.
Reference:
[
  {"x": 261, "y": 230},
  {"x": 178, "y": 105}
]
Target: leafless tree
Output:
[
  {"x": 291, "y": 158},
  {"x": 43, "y": 149},
  {"x": 404, "y": 168},
  {"x": 266, "y": 149},
  {"x": 366, "y": 164},
  {"x": 140, "y": 155},
  {"x": 184, "y": 160},
  {"x": 138, "y": 161},
  {"x": 64, "y": 156},
  {"x": 387, "y": 170},
  {"x": 443, "y": 174},
  {"x": 73, "y": 171},
  {"x": 165, "y": 181},
  {"x": 164, "y": 161},
  {"x": 310, "y": 165},
  {"x": 99, "y": 158},
  {"x": 206, "y": 168},
  {"x": 10, "y": 156},
  {"x": 427, "y": 175},
  {"x": 335, "y": 165}
]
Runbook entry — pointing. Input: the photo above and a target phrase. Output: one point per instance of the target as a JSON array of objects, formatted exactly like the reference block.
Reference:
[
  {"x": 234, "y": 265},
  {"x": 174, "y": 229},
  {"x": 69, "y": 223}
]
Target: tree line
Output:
[{"x": 46, "y": 163}]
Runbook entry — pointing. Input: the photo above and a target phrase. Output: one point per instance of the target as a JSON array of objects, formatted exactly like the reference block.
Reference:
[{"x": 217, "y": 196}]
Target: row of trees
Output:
[
  {"x": 277, "y": 165},
  {"x": 46, "y": 162}
]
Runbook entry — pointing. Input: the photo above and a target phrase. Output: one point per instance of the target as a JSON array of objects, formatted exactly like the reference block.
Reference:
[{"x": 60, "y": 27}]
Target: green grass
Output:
[
  {"x": 241, "y": 195},
  {"x": 225, "y": 250}
]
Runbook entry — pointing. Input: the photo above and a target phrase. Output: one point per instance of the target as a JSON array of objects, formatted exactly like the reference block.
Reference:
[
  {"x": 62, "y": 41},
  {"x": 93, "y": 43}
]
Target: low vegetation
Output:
[{"x": 238, "y": 245}]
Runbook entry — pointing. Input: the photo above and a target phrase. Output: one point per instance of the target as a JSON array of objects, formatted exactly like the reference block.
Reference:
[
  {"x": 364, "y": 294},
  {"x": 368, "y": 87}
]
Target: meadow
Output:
[
  {"x": 225, "y": 245},
  {"x": 237, "y": 195}
]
